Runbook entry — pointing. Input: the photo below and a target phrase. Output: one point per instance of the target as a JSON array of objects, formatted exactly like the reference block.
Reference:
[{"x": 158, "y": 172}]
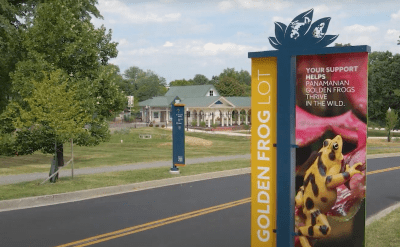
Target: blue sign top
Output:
[{"x": 300, "y": 33}]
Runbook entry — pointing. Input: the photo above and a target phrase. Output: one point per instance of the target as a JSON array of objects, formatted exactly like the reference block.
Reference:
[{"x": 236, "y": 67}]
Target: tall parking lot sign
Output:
[{"x": 308, "y": 138}]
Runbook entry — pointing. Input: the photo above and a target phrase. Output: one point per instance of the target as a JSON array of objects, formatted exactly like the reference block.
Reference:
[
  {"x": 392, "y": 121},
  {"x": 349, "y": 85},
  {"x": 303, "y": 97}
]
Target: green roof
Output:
[
  {"x": 189, "y": 91},
  {"x": 157, "y": 101},
  {"x": 200, "y": 101},
  {"x": 239, "y": 101},
  {"x": 193, "y": 96}
]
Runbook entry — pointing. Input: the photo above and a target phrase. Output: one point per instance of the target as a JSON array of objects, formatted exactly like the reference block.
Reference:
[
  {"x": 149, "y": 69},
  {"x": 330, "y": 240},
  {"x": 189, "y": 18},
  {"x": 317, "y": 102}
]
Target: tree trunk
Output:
[
  {"x": 389, "y": 136},
  {"x": 60, "y": 154}
]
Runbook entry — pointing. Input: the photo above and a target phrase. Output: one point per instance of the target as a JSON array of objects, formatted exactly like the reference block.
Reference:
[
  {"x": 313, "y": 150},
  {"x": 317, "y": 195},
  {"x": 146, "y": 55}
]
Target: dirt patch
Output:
[{"x": 193, "y": 141}]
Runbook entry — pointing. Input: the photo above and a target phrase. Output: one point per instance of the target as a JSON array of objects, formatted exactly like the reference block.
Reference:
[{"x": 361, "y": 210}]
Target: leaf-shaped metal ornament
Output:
[
  {"x": 325, "y": 41},
  {"x": 298, "y": 27},
  {"x": 318, "y": 30},
  {"x": 300, "y": 33},
  {"x": 274, "y": 43},
  {"x": 280, "y": 29}
]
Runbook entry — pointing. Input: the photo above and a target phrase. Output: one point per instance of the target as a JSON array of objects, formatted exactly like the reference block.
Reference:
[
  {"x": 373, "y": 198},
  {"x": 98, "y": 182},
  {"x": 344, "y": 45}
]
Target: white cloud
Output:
[
  {"x": 392, "y": 35},
  {"x": 144, "y": 51},
  {"x": 395, "y": 16},
  {"x": 138, "y": 14},
  {"x": 195, "y": 48},
  {"x": 226, "y": 5},
  {"x": 168, "y": 44},
  {"x": 357, "y": 28},
  {"x": 285, "y": 21},
  {"x": 253, "y": 4},
  {"x": 123, "y": 42}
]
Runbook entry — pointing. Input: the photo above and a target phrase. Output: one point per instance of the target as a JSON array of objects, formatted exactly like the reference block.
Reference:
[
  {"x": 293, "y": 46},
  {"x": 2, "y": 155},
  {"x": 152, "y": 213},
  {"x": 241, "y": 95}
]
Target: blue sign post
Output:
[
  {"x": 299, "y": 38},
  {"x": 178, "y": 135}
]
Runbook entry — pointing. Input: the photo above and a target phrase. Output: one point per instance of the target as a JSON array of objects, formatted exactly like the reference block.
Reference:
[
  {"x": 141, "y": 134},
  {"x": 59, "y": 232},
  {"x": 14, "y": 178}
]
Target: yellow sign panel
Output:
[{"x": 263, "y": 152}]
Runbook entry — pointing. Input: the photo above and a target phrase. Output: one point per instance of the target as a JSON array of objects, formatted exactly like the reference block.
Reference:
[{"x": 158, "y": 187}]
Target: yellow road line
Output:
[
  {"x": 153, "y": 224},
  {"x": 384, "y": 170},
  {"x": 169, "y": 220}
]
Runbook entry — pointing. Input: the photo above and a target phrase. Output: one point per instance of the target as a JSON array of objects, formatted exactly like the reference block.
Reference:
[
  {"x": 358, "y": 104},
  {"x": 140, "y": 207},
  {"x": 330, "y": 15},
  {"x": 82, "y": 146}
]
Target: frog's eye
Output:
[
  {"x": 326, "y": 143},
  {"x": 335, "y": 146}
]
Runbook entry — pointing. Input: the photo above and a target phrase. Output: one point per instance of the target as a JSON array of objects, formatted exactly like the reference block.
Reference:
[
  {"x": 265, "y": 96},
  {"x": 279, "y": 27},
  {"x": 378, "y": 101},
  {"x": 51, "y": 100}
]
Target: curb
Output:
[
  {"x": 46, "y": 200},
  {"x": 382, "y": 214}
]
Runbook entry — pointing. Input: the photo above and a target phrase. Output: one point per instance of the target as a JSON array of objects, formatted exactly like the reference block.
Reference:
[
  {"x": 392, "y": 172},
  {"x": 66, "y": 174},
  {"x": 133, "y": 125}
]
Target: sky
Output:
[{"x": 178, "y": 39}]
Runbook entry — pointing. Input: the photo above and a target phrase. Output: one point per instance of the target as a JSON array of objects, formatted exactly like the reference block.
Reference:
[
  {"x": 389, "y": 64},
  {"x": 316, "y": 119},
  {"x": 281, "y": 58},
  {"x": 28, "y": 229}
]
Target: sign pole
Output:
[{"x": 178, "y": 135}]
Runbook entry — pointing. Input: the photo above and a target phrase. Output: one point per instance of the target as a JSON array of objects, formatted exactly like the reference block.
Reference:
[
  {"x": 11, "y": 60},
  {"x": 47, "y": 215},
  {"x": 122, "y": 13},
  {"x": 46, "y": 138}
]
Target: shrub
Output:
[
  {"x": 163, "y": 126},
  {"x": 194, "y": 123},
  {"x": 246, "y": 127},
  {"x": 202, "y": 124},
  {"x": 151, "y": 125},
  {"x": 214, "y": 125}
]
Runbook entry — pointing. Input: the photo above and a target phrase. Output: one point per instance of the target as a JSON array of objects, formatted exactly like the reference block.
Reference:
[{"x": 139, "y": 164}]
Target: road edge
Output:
[
  {"x": 47, "y": 200},
  {"x": 381, "y": 214}
]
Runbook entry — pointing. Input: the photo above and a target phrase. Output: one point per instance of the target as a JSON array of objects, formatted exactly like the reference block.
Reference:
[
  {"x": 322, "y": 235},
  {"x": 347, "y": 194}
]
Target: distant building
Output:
[{"x": 203, "y": 103}]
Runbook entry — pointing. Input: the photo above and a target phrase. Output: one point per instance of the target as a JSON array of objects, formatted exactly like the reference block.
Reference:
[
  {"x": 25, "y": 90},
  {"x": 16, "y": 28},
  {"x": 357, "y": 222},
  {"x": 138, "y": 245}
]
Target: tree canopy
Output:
[
  {"x": 62, "y": 76},
  {"x": 142, "y": 84},
  {"x": 383, "y": 85},
  {"x": 233, "y": 83}
]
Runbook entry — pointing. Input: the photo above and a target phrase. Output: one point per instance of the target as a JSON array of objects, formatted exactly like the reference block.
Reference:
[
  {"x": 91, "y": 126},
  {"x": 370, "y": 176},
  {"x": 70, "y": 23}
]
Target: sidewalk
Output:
[{"x": 12, "y": 179}]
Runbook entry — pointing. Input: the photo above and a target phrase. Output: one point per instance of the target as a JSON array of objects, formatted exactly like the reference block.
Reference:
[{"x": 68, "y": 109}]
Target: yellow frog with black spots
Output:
[{"x": 318, "y": 193}]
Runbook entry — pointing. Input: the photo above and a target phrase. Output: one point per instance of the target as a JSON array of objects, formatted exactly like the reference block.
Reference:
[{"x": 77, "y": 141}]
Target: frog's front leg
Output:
[
  {"x": 317, "y": 226},
  {"x": 333, "y": 181}
]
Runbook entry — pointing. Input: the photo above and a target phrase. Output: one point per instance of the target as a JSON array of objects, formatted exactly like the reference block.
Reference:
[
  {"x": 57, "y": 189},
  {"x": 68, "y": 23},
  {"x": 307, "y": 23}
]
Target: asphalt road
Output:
[{"x": 230, "y": 226}]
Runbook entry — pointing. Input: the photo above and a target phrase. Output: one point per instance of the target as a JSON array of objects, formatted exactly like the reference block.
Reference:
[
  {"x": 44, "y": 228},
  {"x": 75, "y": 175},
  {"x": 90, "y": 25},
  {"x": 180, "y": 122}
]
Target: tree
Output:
[
  {"x": 342, "y": 45},
  {"x": 182, "y": 82},
  {"x": 10, "y": 49},
  {"x": 383, "y": 84},
  {"x": 200, "y": 80},
  {"x": 391, "y": 121},
  {"x": 65, "y": 52},
  {"x": 150, "y": 85},
  {"x": 242, "y": 77},
  {"x": 143, "y": 84},
  {"x": 228, "y": 86}
]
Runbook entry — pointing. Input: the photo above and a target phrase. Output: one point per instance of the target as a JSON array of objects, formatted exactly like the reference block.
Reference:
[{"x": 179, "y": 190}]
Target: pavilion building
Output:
[{"x": 203, "y": 103}]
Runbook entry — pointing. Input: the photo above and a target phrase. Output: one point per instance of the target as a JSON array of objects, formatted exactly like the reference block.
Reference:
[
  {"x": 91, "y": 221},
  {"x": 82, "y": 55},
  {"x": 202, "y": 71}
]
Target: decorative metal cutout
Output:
[{"x": 300, "y": 33}]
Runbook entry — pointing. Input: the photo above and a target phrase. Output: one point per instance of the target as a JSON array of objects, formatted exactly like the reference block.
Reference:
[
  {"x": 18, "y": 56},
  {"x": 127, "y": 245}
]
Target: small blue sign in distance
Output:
[{"x": 178, "y": 133}]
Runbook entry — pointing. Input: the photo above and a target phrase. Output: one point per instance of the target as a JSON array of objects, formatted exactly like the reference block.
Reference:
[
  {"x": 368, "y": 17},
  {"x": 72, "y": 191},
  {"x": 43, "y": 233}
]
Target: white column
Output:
[
  {"x": 209, "y": 119},
  {"x": 231, "y": 118},
  {"x": 167, "y": 117},
  {"x": 238, "y": 117},
  {"x": 222, "y": 118},
  {"x": 150, "y": 115},
  {"x": 213, "y": 117},
  {"x": 198, "y": 118},
  {"x": 246, "y": 116}
]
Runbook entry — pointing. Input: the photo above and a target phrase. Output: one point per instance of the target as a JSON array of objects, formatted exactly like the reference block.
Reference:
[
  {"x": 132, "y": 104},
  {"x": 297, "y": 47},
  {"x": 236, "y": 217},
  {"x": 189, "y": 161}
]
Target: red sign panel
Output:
[{"x": 331, "y": 132}]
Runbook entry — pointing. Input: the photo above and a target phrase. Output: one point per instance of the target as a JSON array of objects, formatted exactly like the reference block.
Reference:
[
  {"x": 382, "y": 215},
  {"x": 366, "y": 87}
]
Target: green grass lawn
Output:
[
  {"x": 378, "y": 146},
  {"x": 82, "y": 182},
  {"x": 384, "y": 232},
  {"x": 132, "y": 150}
]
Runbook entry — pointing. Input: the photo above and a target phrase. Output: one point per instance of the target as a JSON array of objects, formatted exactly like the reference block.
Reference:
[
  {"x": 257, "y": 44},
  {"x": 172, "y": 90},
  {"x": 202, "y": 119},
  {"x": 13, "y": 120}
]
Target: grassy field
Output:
[
  {"x": 82, "y": 182},
  {"x": 384, "y": 232},
  {"x": 377, "y": 146},
  {"x": 132, "y": 150}
]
